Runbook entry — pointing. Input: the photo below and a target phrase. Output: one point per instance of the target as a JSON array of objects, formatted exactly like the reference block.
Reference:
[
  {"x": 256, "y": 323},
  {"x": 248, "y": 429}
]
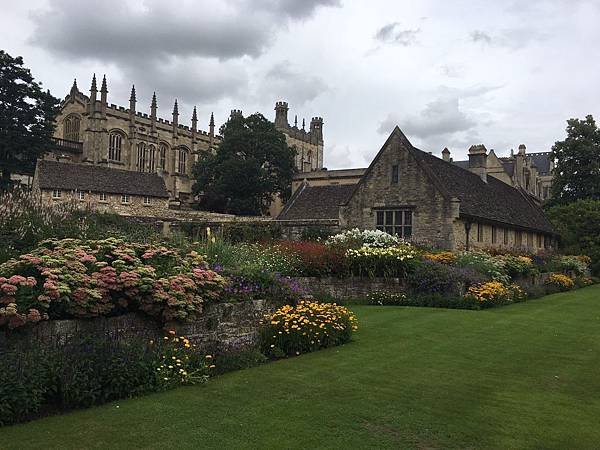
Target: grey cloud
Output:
[
  {"x": 512, "y": 38},
  {"x": 392, "y": 33},
  {"x": 284, "y": 82},
  {"x": 480, "y": 36},
  {"x": 294, "y": 8},
  {"x": 442, "y": 116}
]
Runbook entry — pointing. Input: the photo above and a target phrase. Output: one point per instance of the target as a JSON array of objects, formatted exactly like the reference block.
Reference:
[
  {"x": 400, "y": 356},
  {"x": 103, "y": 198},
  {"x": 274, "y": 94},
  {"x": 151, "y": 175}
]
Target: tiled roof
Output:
[
  {"x": 541, "y": 161},
  {"x": 88, "y": 177},
  {"x": 494, "y": 201},
  {"x": 316, "y": 202}
]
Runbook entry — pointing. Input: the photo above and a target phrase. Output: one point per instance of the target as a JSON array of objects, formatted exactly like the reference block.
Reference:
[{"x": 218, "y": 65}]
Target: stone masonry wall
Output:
[
  {"x": 223, "y": 327},
  {"x": 432, "y": 213},
  {"x": 349, "y": 288}
]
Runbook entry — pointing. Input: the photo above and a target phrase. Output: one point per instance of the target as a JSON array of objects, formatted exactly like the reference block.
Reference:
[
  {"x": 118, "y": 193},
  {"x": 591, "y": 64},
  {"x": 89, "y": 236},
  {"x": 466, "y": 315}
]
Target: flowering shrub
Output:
[
  {"x": 569, "y": 263},
  {"x": 316, "y": 259},
  {"x": 484, "y": 263},
  {"x": 74, "y": 278},
  {"x": 494, "y": 293},
  {"x": 384, "y": 298},
  {"x": 441, "y": 257},
  {"x": 516, "y": 266},
  {"x": 251, "y": 284},
  {"x": 376, "y": 261},
  {"x": 429, "y": 277},
  {"x": 179, "y": 363},
  {"x": 562, "y": 282},
  {"x": 356, "y": 238},
  {"x": 306, "y": 327}
]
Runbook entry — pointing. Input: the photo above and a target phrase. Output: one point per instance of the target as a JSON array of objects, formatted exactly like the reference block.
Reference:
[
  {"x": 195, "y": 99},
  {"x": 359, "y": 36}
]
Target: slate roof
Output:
[
  {"x": 495, "y": 200},
  {"x": 87, "y": 177},
  {"x": 541, "y": 161},
  {"x": 316, "y": 202}
]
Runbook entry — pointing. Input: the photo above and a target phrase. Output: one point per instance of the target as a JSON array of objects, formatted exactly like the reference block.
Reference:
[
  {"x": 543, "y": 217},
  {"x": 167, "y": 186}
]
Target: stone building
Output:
[
  {"x": 92, "y": 131},
  {"x": 425, "y": 199},
  {"x": 101, "y": 188},
  {"x": 531, "y": 172}
]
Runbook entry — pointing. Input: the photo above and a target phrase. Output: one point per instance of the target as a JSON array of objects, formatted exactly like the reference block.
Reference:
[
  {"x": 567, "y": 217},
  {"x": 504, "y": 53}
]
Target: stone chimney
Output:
[
  {"x": 522, "y": 149},
  {"x": 478, "y": 161},
  {"x": 446, "y": 154}
]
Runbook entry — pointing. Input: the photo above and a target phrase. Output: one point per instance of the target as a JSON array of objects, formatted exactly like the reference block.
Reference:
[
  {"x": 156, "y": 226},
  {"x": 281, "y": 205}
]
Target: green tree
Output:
[
  {"x": 26, "y": 119},
  {"x": 578, "y": 224},
  {"x": 577, "y": 163},
  {"x": 252, "y": 164}
]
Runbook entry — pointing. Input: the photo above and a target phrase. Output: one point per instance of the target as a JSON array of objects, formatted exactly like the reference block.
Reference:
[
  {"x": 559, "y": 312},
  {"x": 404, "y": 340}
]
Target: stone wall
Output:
[
  {"x": 433, "y": 215},
  {"x": 349, "y": 288},
  {"x": 223, "y": 327},
  {"x": 156, "y": 207}
]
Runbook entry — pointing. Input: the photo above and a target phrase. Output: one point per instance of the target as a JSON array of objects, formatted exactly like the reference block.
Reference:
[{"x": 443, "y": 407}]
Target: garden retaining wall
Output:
[
  {"x": 223, "y": 327},
  {"x": 349, "y": 288},
  {"x": 353, "y": 288}
]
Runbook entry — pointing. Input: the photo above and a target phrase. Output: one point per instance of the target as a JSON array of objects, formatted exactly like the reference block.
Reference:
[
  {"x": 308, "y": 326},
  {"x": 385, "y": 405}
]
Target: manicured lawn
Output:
[{"x": 522, "y": 376}]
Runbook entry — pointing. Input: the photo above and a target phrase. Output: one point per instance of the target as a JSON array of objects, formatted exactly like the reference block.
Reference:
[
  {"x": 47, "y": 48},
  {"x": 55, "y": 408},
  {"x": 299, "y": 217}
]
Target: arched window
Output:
[
  {"x": 163, "y": 156},
  {"x": 182, "y": 160},
  {"x": 115, "y": 144},
  {"x": 71, "y": 128},
  {"x": 151, "y": 158},
  {"x": 141, "y": 157}
]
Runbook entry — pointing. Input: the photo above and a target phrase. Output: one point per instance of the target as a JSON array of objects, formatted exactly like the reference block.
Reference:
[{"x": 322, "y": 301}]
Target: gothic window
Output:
[
  {"x": 479, "y": 232},
  {"x": 163, "y": 156},
  {"x": 494, "y": 234},
  {"x": 152, "y": 158},
  {"x": 142, "y": 157},
  {"x": 395, "y": 174},
  {"x": 71, "y": 128},
  {"x": 115, "y": 144},
  {"x": 506, "y": 236},
  {"x": 182, "y": 160},
  {"x": 395, "y": 221}
]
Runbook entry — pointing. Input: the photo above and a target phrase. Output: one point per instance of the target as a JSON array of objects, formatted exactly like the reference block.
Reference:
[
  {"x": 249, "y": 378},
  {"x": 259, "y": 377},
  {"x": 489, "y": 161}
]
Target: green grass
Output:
[{"x": 525, "y": 376}]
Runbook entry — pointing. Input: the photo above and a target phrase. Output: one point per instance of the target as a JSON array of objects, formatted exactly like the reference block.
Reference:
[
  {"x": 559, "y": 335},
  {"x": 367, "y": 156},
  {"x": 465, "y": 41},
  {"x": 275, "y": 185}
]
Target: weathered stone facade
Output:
[
  {"x": 428, "y": 201},
  {"x": 116, "y": 137},
  {"x": 433, "y": 214}
]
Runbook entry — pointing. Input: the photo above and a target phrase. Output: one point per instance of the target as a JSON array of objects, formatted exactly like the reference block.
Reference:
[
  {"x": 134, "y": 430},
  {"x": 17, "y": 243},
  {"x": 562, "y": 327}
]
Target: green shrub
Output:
[
  {"x": 251, "y": 232},
  {"x": 84, "y": 372},
  {"x": 306, "y": 327},
  {"x": 484, "y": 263},
  {"x": 578, "y": 224},
  {"x": 431, "y": 300}
]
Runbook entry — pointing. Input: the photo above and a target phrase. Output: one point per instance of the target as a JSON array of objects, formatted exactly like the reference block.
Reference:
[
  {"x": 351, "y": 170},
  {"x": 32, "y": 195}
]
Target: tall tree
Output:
[
  {"x": 26, "y": 119},
  {"x": 577, "y": 163},
  {"x": 252, "y": 165}
]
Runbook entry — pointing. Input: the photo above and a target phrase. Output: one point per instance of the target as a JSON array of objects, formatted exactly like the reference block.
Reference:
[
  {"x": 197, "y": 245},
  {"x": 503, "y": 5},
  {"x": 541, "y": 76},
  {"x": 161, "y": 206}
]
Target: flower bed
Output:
[
  {"x": 306, "y": 327},
  {"x": 73, "y": 278}
]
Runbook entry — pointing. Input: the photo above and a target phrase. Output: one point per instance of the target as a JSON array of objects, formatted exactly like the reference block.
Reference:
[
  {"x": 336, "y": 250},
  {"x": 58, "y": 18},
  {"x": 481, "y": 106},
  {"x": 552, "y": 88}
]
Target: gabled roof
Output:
[
  {"x": 494, "y": 201},
  {"x": 316, "y": 202},
  {"x": 87, "y": 177}
]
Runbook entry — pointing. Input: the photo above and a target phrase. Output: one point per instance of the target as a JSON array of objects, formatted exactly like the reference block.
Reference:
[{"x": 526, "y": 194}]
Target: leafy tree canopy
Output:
[
  {"x": 252, "y": 164},
  {"x": 26, "y": 119},
  {"x": 578, "y": 224},
  {"x": 577, "y": 163}
]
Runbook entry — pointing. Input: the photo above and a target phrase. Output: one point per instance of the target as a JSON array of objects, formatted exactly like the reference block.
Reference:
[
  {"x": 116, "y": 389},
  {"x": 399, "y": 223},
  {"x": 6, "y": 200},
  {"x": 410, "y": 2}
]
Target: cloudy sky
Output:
[{"x": 449, "y": 74}]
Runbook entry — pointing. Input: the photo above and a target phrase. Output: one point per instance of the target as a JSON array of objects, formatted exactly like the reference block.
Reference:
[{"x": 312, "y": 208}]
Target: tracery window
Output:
[
  {"x": 72, "y": 124},
  {"x": 151, "y": 158},
  {"x": 182, "y": 160},
  {"x": 163, "y": 156},
  {"x": 142, "y": 157},
  {"x": 115, "y": 144}
]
